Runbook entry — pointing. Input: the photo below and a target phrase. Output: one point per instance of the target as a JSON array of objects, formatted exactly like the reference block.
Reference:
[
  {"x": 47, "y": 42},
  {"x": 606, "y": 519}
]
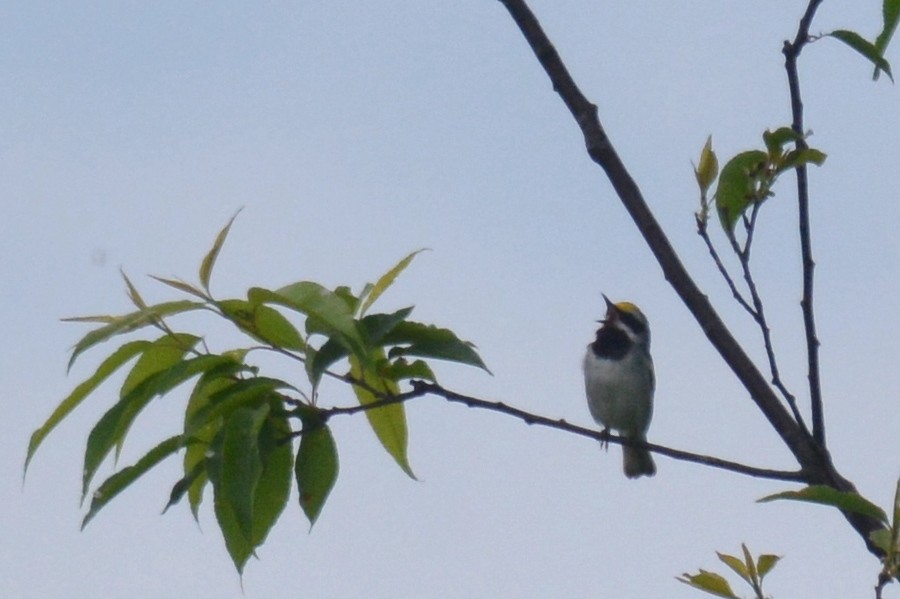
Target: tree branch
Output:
[
  {"x": 814, "y": 460},
  {"x": 792, "y": 52},
  {"x": 602, "y": 152},
  {"x": 422, "y": 388}
]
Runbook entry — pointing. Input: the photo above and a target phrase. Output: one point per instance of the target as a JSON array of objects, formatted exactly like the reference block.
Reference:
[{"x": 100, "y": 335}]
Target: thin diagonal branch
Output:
[
  {"x": 703, "y": 232},
  {"x": 792, "y": 52},
  {"x": 759, "y": 315},
  {"x": 422, "y": 388}
]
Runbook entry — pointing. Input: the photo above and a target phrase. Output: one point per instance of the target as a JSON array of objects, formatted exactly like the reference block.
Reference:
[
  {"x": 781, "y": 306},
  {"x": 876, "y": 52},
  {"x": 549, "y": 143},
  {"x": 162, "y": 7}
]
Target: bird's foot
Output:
[{"x": 604, "y": 439}]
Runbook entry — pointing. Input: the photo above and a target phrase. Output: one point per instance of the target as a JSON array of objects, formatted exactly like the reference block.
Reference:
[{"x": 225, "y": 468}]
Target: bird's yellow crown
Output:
[{"x": 628, "y": 307}]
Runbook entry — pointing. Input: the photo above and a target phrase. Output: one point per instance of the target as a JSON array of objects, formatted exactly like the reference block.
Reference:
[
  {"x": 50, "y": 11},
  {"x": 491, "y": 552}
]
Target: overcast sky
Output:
[{"x": 353, "y": 133}]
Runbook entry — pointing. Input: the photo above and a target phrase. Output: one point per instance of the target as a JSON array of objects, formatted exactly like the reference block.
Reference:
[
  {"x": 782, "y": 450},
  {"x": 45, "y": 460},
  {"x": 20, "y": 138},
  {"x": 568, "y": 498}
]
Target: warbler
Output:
[{"x": 619, "y": 381}]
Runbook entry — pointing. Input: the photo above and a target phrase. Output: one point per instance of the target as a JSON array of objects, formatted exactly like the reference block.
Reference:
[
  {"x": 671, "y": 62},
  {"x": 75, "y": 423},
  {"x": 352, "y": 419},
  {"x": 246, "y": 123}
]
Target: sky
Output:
[{"x": 354, "y": 133}]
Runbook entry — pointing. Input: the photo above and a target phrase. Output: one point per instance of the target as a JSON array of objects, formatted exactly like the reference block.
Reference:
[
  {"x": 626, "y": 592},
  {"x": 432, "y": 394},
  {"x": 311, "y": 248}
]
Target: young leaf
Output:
[
  {"x": 765, "y": 563},
  {"x": 428, "y": 341},
  {"x": 117, "y": 483},
  {"x": 750, "y": 564},
  {"x": 209, "y": 261},
  {"x": 850, "y": 502},
  {"x": 776, "y": 140},
  {"x": 133, "y": 293},
  {"x": 737, "y": 186},
  {"x": 891, "y": 14},
  {"x": 735, "y": 564},
  {"x": 385, "y": 281},
  {"x": 865, "y": 48},
  {"x": 709, "y": 582},
  {"x": 388, "y": 422},
  {"x": 182, "y": 286},
  {"x": 316, "y": 468},
  {"x": 109, "y": 365},
  {"x": 795, "y": 158},
  {"x": 131, "y": 322},
  {"x": 707, "y": 169}
]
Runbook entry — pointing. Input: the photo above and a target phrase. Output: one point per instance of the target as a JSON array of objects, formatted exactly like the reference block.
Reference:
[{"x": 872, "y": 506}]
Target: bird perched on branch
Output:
[{"x": 619, "y": 381}]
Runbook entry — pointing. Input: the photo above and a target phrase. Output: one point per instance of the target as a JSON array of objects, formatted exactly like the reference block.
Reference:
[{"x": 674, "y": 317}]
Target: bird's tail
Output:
[{"x": 637, "y": 462}]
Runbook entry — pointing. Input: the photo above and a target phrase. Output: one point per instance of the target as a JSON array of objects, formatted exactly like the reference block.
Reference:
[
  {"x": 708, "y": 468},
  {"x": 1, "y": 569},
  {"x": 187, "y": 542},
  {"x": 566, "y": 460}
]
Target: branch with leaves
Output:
[{"x": 240, "y": 427}]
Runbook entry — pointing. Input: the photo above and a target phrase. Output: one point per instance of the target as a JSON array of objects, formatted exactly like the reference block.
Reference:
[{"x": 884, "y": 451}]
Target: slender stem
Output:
[
  {"x": 421, "y": 388},
  {"x": 703, "y": 232},
  {"x": 792, "y": 52}
]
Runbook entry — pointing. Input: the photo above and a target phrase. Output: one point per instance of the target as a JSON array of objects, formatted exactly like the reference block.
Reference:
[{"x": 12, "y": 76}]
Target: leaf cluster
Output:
[
  {"x": 751, "y": 571},
  {"x": 240, "y": 427}
]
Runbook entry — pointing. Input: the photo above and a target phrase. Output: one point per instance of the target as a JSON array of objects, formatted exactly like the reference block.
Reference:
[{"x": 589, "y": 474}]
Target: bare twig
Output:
[
  {"x": 703, "y": 232},
  {"x": 422, "y": 388},
  {"x": 792, "y": 52}
]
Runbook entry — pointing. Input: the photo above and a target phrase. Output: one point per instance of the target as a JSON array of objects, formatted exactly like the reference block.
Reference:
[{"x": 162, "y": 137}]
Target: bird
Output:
[{"x": 619, "y": 381}]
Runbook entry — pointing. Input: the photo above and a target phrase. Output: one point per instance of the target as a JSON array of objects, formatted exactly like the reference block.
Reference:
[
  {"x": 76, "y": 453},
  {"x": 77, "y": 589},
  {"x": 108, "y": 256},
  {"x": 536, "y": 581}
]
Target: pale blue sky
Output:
[{"x": 353, "y": 133}]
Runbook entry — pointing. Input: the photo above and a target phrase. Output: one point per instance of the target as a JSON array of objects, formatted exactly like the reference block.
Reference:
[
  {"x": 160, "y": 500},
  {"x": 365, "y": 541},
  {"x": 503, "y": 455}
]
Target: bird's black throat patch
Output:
[{"x": 611, "y": 343}]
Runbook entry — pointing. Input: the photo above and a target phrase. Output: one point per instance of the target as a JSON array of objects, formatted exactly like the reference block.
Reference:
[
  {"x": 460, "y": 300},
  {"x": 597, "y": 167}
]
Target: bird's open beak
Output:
[{"x": 611, "y": 310}]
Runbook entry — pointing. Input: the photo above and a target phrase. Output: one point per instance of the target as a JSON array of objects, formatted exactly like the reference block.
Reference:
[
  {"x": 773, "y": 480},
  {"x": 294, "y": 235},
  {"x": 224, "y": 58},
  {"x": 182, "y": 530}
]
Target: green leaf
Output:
[
  {"x": 243, "y": 393},
  {"x": 737, "y": 186},
  {"x": 795, "y": 158},
  {"x": 707, "y": 169},
  {"x": 765, "y": 563},
  {"x": 316, "y": 468},
  {"x": 865, "y": 48},
  {"x": 274, "y": 487},
  {"x": 400, "y": 369},
  {"x": 385, "y": 281},
  {"x": 162, "y": 354},
  {"x": 133, "y": 293},
  {"x": 316, "y": 302},
  {"x": 119, "y": 481},
  {"x": 112, "y": 427},
  {"x": 735, "y": 564},
  {"x": 890, "y": 11},
  {"x": 377, "y": 326},
  {"x": 388, "y": 422},
  {"x": 109, "y": 365},
  {"x": 209, "y": 261},
  {"x": 751, "y": 566},
  {"x": 131, "y": 322},
  {"x": 776, "y": 140},
  {"x": 276, "y": 330},
  {"x": 843, "y": 500},
  {"x": 202, "y": 436},
  {"x": 184, "y": 485},
  {"x": 882, "y": 539},
  {"x": 241, "y": 464},
  {"x": 429, "y": 341},
  {"x": 182, "y": 286},
  {"x": 709, "y": 582}
]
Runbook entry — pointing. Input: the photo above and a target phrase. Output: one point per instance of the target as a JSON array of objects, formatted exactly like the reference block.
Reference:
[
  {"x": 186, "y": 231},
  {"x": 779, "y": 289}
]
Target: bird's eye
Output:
[{"x": 633, "y": 322}]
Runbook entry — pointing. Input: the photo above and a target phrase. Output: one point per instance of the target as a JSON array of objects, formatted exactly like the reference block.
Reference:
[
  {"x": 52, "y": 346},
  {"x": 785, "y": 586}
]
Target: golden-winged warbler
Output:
[{"x": 619, "y": 381}]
